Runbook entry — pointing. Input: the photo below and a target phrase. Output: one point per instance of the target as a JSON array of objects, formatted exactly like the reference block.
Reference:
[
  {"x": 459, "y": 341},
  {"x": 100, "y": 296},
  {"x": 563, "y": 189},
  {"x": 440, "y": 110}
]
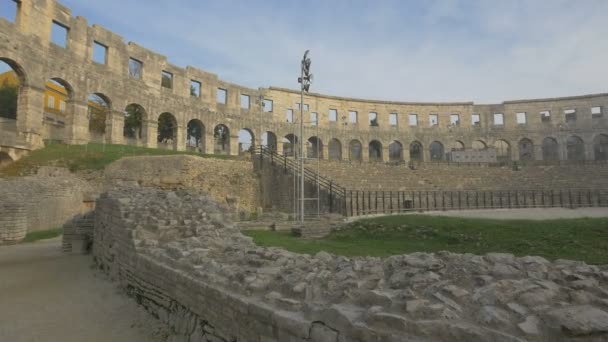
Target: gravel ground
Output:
[
  {"x": 49, "y": 296},
  {"x": 528, "y": 214}
]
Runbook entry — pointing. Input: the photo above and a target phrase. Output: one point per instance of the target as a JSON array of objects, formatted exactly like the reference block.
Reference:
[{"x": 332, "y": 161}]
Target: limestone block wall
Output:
[
  {"x": 181, "y": 257},
  {"x": 39, "y": 202}
]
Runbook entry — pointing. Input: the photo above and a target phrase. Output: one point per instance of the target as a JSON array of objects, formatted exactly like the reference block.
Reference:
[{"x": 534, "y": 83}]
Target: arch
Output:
[
  {"x": 437, "y": 151},
  {"x": 503, "y": 150},
  {"x": 5, "y": 159},
  {"x": 167, "y": 131},
  {"x": 17, "y": 68},
  {"x": 99, "y": 107},
  {"x": 416, "y": 151},
  {"x": 395, "y": 151},
  {"x": 195, "y": 136},
  {"x": 375, "y": 151},
  {"x": 335, "y": 149},
  {"x": 11, "y": 81},
  {"x": 290, "y": 145},
  {"x": 526, "y": 149},
  {"x": 457, "y": 146},
  {"x": 600, "y": 147},
  {"x": 134, "y": 116},
  {"x": 355, "y": 150},
  {"x": 269, "y": 140},
  {"x": 221, "y": 136},
  {"x": 314, "y": 148},
  {"x": 246, "y": 140},
  {"x": 550, "y": 149},
  {"x": 479, "y": 145},
  {"x": 575, "y": 148}
]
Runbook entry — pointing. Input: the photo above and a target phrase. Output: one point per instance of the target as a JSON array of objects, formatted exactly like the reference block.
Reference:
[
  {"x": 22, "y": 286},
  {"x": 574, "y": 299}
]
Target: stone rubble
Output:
[{"x": 416, "y": 297}]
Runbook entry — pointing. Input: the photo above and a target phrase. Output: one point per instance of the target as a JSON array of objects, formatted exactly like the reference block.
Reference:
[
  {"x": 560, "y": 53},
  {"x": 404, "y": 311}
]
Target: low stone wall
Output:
[
  {"x": 181, "y": 257},
  {"x": 230, "y": 182},
  {"x": 40, "y": 202}
]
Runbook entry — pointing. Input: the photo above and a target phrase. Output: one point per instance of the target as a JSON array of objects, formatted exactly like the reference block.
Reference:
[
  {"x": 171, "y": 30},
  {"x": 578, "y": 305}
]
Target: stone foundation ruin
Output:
[{"x": 179, "y": 254}]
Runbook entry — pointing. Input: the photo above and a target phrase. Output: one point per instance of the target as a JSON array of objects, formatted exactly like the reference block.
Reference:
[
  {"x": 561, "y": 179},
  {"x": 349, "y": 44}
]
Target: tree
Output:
[
  {"x": 8, "y": 100},
  {"x": 134, "y": 115},
  {"x": 98, "y": 111},
  {"x": 166, "y": 127},
  {"x": 194, "y": 131},
  {"x": 221, "y": 136}
]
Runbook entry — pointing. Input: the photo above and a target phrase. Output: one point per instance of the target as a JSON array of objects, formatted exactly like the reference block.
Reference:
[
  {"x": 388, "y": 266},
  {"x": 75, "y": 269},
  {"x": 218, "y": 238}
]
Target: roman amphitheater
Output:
[{"x": 167, "y": 230}]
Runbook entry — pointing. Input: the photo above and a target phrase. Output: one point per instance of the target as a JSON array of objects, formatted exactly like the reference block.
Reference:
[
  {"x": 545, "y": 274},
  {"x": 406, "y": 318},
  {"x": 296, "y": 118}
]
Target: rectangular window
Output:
[
  {"x": 166, "y": 80},
  {"x": 306, "y": 107},
  {"x": 545, "y": 116},
  {"x": 290, "y": 115},
  {"x": 100, "y": 53},
  {"x": 413, "y": 119},
  {"x": 455, "y": 119},
  {"x": 475, "y": 120},
  {"x": 297, "y": 106},
  {"x": 61, "y": 106},
  {"x": 498, "y": 119},
  {"x": 521, "y": 118},
  {"x": 392, "y": 119},
  {"x": 314, "y": 119},
  {"x": 221, "y": 95},
  {"x": 352, "y": 117},
  {"x": 373, "y": 119},
  {"x": 9, "y": 10},
  {"x": 433, "y": 120},
  {"x": 59, "y": 34},
  {"x": 195, "y": 88},
  {"x": 135, "y": 68},
  {"x": 268, "y": 106},
  {"x": 596, "y": 112},
  {"x": 245, "y": 101},
  {"x": 333, "y": 115},
  {"x": 570, "y": 115},
  {"x": 50, "y": 102}
]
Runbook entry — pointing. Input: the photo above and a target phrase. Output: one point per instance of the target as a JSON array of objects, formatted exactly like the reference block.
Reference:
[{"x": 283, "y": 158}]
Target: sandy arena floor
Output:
[{"x": 49, "y": 296}]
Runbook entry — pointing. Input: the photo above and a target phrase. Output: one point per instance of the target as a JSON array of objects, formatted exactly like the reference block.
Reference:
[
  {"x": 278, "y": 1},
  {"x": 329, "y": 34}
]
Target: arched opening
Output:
[
  {"x": 355, "y": 150},
  {"x": 290, "y": 145},
  {"x": 335, "y": 149},
  {"x": 221, "y": 136},
  {"x": 98, "y": 111},
  {"x": 436, "y": 150},
  {"x": 503, "y": 150},
  {"x": 395, "y": 151},
  {"x": 479, "y": 145},
  {"x": 246, "y": 141},
  {"x": 5, "y": 159},
  {"x": 167, "y": 131},
  {"x": 600, "y": 147},
  {"x": 134, "y": 116},
  {"x": 416, "y": 151},
  {"x": 269, "y": 141},
  {"x": 457, "y": 146},
  {"x": 550, "y": 149},
  {"x": 575, "y": 148},
  {"x": 526, "y": 149},
  {"x": 58, "y": 95},
  {"x": 375, "y": 151},
  {"x": 11, "y": 80},
  {"x": 314, "y": 148},
  {"x": 195, "y": 136}
]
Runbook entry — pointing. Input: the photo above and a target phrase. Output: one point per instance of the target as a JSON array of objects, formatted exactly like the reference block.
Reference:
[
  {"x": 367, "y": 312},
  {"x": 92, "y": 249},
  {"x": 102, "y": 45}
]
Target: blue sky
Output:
[{"x": 434, "y": 50}]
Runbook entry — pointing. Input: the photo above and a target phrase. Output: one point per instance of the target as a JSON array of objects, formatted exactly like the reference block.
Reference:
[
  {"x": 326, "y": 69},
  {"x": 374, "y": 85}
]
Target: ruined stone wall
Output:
[
  {"x": 26, "y": 46},
  {"x": 181, "y": 257},
  {"x": 231, "y": 182},
  {"x": 40, "y": 202}
]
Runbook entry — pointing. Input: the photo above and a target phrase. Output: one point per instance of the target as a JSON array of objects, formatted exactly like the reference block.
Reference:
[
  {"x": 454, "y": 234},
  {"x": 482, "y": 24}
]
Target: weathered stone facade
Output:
[
  {"x": 26, "y": 46},
  {"x": 181, "y": 257}
]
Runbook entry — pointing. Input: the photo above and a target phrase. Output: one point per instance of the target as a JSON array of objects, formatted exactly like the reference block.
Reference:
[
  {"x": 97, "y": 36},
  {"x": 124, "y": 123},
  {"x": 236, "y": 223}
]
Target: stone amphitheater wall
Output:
[{"x": 26, "y": 45}]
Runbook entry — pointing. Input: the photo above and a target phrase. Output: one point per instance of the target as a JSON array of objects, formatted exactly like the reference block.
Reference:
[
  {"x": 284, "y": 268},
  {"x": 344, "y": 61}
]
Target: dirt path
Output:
[{"x": 49, "y": 296}]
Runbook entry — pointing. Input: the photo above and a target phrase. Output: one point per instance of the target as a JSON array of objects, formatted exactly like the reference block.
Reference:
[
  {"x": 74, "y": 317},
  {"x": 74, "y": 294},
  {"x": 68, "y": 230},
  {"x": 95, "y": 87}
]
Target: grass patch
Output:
[
  {"x": 578, "y": 239},
  {"x": 84, "y": 157},
  {"x": 42, "y": 235}
]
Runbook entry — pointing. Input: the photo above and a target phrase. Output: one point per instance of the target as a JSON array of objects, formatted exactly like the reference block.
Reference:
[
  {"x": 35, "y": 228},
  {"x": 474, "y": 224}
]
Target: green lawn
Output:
[
  {"x": 82, "y": 157},
  {"x": 43, "y": 235},
  {"x": 579, "y": 239}
]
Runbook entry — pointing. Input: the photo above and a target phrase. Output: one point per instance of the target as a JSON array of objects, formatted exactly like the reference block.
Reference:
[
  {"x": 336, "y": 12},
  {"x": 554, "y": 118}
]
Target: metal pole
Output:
[{"x": 302, "y": 146}]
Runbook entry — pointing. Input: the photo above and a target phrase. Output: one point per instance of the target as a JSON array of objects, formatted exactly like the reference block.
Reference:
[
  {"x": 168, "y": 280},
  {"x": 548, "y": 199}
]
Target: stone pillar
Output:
[
  {"x": 589, "y": 151},
  {"x": 324, "y": 152},
  {"x": 234, "y": 145},
  {"x": 385, "y": 154},
  {"x": 77, "y": 123},
  {"x": 406, "y": 154},
  {"x": 151, "y": 133},
  {"x": 538, "y": 152},
  {"x": 115, "y": 124},
  {"x": 280, "y": 148},
  {"x": 209, "y": 143},
  {"x": 180, "y": 139},
  {"x": 365, "y": 153},
  {"x": 30, "y": 115}
]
